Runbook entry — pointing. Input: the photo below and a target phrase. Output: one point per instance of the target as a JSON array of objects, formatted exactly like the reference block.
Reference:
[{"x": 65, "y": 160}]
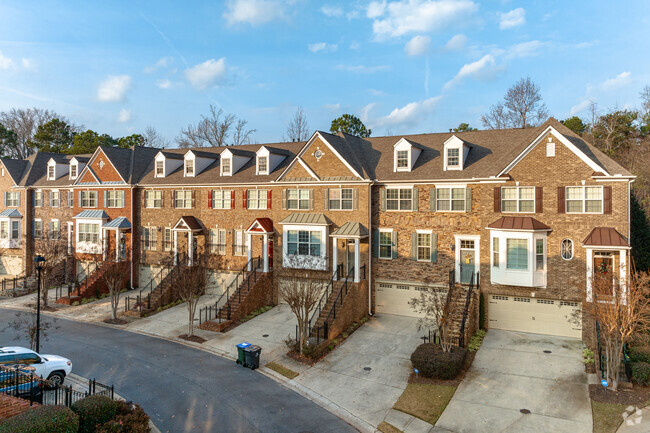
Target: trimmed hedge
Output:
[
  {"x": 640, "y": 354},
  {"x": 431, "y": 361},
  {"x": 641, "y": 373},
  {"x": 130, "y": 419},
  {"x": 42, "y": 419},
  {"x": 94, "y": 410}
]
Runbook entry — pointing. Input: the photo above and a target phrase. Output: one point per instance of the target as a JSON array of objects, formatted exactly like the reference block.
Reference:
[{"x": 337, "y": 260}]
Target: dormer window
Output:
[
  {"x": 226, "y": 167},
  {"x": 263, "y": 165},
  {"x": 73, "y": 171},
  {"x": 402, "y": 159},
  {"x": 455, "y": 153},
  {"x": 51, "y": 172},
  {"x": 453, "y": 157},
  {"x": 189, "y": 167},
  {"x": 160, "y": 168},
  {"x": 405, "y": 155}
]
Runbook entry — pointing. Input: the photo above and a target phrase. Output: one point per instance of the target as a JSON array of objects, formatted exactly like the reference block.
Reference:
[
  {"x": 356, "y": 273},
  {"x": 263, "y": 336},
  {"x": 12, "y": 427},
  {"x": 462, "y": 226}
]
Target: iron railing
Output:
[
  {"x": 143, "y": 298},
  {"x": 468, "y": 300},
  {"x": 434, "y": 337},
  {"x": 235, "y": 288},
  {"x": 9, "y": 285},
  {"x": 326, "y": 296}
]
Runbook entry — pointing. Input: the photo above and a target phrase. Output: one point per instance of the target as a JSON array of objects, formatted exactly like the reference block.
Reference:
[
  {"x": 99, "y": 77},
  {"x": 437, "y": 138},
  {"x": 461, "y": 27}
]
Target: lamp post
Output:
[{"x": 39, "y": 267}]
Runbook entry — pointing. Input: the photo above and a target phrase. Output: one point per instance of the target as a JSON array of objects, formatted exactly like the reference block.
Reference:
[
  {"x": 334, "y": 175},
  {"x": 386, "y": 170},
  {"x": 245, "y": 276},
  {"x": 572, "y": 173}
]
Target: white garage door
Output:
[
  {"x": 539, "y": 316},
  {"x": 394, "y": 298}
]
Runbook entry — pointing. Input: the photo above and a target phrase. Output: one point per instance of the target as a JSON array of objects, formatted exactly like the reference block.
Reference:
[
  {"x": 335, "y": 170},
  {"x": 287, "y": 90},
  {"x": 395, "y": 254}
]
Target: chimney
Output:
[{"x": 449, "y": 129}]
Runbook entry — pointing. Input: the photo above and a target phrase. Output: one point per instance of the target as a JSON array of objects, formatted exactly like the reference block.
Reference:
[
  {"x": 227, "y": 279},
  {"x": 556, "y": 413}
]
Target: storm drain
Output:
[
  {"x": 265, "y": 335},
  {"x": 524, "y": 411},
  {"x": 547, "y": 351},
  {"x": 367, "y": 368}
]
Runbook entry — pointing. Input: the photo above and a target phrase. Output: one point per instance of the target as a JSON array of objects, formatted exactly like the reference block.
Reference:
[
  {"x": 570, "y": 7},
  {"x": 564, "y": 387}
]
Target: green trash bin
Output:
[
  {"x": 252, "y": 355},
  {"x": 241, "y": 357}
]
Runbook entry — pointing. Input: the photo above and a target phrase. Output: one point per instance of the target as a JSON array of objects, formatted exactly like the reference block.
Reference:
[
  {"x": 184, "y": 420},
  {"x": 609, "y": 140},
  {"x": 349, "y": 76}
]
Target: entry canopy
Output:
[
  {"x": 605, "y": 237},
  {"x": 188, "y": 224},
  {"x": 350, "y": 230},
  {"x": 261, "y": 225}
]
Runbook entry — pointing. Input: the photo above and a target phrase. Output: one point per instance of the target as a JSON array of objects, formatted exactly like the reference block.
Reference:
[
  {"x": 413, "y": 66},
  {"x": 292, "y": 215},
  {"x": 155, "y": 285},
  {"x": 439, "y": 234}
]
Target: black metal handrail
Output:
[
  {"x": 213, "y": 311},
  {"x": 146, "y": 292},
  {"x": 468, "y": 300},
  {"x": 325, "y": 297},
  {"x": 331, "y": 316},
  {"x": 12, "y": 284}
]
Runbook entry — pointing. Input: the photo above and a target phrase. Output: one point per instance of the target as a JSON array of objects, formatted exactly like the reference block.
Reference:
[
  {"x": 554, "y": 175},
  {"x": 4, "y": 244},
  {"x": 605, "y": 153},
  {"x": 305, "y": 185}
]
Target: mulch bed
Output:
[
  {"x": 193, "y": 338},
  {"x": 638, "y": 395},
  {"x": 115, "y": 321},
  {"x": 417, "y": 378}
]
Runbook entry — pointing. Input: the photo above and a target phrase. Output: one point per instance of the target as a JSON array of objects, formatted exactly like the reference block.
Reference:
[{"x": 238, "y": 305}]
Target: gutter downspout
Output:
[
  {"x": 370, "y": 248},
  {"x": 132, "y": 233}
]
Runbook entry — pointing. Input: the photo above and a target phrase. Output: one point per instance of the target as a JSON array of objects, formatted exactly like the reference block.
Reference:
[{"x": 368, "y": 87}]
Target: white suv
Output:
[{"x": 51, "y": 367}]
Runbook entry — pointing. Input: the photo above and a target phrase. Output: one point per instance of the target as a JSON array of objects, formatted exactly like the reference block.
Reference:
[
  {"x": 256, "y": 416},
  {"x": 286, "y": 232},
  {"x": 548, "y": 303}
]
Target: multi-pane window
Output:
[
  {"x": 386, "y": 245},
  {"x": 15, "y": 230},
  {"x": 218, "y": 241},
  {"x": 450, "y": 199},
  {"x": 189, "y": 167},
  {"x": 226, "y": 166},
  {"x": 584, "y": 199},
  {"x": 38, "y": 198},
  {"x": 114, "y": 198},
  {"x": 402, "y": 159},
  {"x": 424, "y": 246},
  {"x": 153, "y": 199},
  {"x": 89, "y": 232},
  {"x": 50, "y": 172},
  {"x": 221, "y": 199},
  {"x": 12, "y": 199},
  {"x": 517, "y": 254},
  {"x": 566, "y": 249},
  {"x": 88, "y": 198},
  {"x": 149, "y": 238},
  {"x": 55, "y": 198},
  {"x": 167, "y": 238},
  {"x": 298, "y": 199},
  {"x": 73, "y": 171},
  {"x": 539, "y": 254},
  {"x": 263, "y": 164},
  {"x": 183, "y": 199},
  {"x": 341, "y": 199},
  {"x": 70, "y": 198},
  {"x": 518, "y": 199},
  {"x": 239, "y": 244},
  {"x": 399, "y": 199},
  {"x": 55, "y": 229},
  {"x": 453, "y": 157},
  {"x": 38, "y": 229},
  {"x": 160, "y": 168},
  {"x": 256, "y": 199},
  {"x": 303, "y": 242},
  {"x": 495, "y": 252},
  {"x": 4, "y": 230}
]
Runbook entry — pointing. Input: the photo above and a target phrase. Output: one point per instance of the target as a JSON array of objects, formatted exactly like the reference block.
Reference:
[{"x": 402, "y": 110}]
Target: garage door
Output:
[
  {"x": 394, "y": 299},
  {"x": 539, "y": 316}
]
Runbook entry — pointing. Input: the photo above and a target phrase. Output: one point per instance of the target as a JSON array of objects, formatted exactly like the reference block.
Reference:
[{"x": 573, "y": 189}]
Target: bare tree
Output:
[
  {"x": 214, "y": 130},
  {"x": 436, "y": 308},
  {"x": 645, "y": 101},
  {"x": 241, "y": 135},
  {"x": 621, "y": 311},
  {"x": 190, "y": 284},
  {"x": 53, "y": 247},
  {"x": 25, "y": 324},
  {"x": 114, "y": 274},
  {"x": 298, "y": 128},
  {"x": 522, "y": 107},
  {"x": 152, "y": 138},
  {"x": 24, "y": 123}
]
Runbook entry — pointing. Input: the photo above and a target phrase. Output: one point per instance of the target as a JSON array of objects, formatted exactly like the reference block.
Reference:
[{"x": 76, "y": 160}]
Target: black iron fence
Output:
[
  {"x": 9, "y": 285},
  {"x": 434, "y": 337}
]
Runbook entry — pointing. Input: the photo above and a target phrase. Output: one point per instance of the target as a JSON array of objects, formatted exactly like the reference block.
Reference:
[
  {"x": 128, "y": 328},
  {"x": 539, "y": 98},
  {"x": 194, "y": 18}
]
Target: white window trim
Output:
[
  {"x": 51, "y": 194},
  {"x": 52, "y": 223},
  {"x": 224, "y": 200},
  {"x": 153, "y": 200},
  {"x": 53, "y": 167},
  {"x": 38, "y": 220},
  {"x": 116, "y": 191},
  {"x": 572, "y": 249},
  {"x": 530, "y": 277},
  {"x": 257, "y": 164},
  {"x": 193, "y": 161},
  {"x": 408, "y": 160},
  {"x": 229, "y": 173},
  {"x": 155, "y": 167},
  {"x": 477, "y": 252},
  {"x": 258, "y": 199},
  {"x": 584, "y": 200},
  {"x": 379, "y": 246},
  {"x": 318, "y": 262},
  {"x": 184, "y": 191},
  {"x": 450, "y": 187},
  {"x": 40, "y": 191},
  {"x": 76, "y": 168},
  {"x": 298, "y": 199},
  {"x": 89, "y": 247},
  {"x": 340, "y": 199},
  {"x": 518, "y": 199},
  {"x": 456, "y": 166},
  {"x": 424, "y": 232},
  {"x": 87, "y": 191},
  {"x": 411, "y": 187}
]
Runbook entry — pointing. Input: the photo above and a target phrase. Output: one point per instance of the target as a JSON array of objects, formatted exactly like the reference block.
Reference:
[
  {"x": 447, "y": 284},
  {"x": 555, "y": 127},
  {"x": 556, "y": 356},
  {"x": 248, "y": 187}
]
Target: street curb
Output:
[
  {"x": 83, "y": 380},
  {"x": 320, "y": 400}
]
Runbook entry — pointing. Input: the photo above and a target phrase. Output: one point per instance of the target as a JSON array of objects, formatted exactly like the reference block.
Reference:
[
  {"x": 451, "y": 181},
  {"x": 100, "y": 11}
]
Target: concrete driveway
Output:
[
  {"x": 383, "y": 345},
  {"x": 512, "y": 372}
]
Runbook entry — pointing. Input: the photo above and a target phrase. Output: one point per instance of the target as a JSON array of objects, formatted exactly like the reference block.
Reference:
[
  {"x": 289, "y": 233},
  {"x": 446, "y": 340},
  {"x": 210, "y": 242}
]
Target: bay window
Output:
[
  {"x": 89, "y": 232},
  {"x": 303, "y": 242},
  {"x": 518, "y": 258},
  {"x": 517, "y": 254}
]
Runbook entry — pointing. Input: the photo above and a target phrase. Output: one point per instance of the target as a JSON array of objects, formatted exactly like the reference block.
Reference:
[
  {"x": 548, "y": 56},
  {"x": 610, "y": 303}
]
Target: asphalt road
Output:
[{"x": 181, "y": 388}]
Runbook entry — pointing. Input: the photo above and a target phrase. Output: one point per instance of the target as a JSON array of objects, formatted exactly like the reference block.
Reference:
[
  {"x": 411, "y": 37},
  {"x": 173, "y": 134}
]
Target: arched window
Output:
[{"x": 566, "y": 249}]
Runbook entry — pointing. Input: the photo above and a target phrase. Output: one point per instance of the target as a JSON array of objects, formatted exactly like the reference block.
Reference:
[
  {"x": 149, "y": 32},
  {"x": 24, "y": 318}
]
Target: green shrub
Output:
[
  {"x": 431, "y": 361},
  {"x": 641, "y": 373},
  {"x": 130, "y": 418},
  {"x": 587, "y": 356},
  {"x": 476, "y": 340},
  {"x": 640, "y": 354},
  {"x": 94, "y": 410},
  {"x": 42, "y": 419}
]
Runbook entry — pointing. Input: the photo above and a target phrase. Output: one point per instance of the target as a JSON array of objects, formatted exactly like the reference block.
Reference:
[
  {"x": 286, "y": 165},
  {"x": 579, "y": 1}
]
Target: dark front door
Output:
[
  {"x": 350, "y": 257},
  {"x": 604, "y": 271}
]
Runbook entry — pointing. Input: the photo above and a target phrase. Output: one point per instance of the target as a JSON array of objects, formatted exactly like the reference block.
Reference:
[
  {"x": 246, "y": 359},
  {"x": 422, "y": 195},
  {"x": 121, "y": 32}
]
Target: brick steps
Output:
[{"x": 328, "y": 307}]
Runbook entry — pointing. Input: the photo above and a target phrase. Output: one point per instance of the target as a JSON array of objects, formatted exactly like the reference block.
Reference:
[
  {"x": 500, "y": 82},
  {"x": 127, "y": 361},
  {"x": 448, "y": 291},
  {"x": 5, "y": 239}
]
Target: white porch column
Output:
[
  {"x": 190, "y": 248},
  {"x": 104, "y": 244},
  {"x": 335, "y": 257},
  {"x": 117, "y": 245},
  {"x": 175, "y": 247},
  {"x": 249, "y": 241},
  {"x": 265, "y": 254},
  {"x": 70, "y": 240},
  {"x": 357, "y": 260},
  {"x": 623, "y": 274},
  {"x": 590, "y": 273}
]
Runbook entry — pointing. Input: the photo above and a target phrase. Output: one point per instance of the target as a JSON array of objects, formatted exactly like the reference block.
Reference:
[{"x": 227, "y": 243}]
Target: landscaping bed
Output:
[
  {"x": 228, "y": 325},
  {"x": 608, "y": 406},
  {"x": 426, "y": 401},
  {"x": 286, "y": 372}
]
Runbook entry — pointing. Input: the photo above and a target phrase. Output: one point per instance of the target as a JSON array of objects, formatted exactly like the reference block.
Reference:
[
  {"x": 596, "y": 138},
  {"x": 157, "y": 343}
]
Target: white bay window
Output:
[{"x": 518, "y": 257}]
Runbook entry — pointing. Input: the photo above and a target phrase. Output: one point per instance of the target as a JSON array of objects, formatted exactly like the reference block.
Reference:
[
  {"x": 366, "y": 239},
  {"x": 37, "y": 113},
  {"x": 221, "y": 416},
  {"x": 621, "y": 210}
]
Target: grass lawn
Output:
[
  {"x": 607, "y": 416},
  {"x": 425, "y": 401},
  {"x": 282, "y": 370},
  {"x": 384, "y": 427}
]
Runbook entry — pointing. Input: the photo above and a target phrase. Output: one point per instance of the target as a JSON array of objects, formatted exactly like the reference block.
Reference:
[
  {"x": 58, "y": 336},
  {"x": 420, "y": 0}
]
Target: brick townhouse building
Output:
[{"x": 531, "y": 213}]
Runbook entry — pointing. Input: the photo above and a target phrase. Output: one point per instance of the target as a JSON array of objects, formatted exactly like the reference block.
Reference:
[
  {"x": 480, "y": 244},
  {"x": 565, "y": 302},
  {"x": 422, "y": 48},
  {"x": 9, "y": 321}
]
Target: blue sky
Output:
[{"x": 407, "y": 66}]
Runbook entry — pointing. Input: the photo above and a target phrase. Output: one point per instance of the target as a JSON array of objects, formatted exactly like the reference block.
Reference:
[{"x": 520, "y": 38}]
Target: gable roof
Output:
[{"x": 15, "y": 168}]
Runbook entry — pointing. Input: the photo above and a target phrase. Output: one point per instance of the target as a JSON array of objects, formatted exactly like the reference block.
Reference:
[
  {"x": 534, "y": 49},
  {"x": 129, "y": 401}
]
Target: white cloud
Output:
[
  {"x": 362, "y": 69},
  {"x": 354, "y": 45},
  {"x": 124, "y": 116},
  {"x": 580, "y": 106},
  {"x": 164, "y": 83},
  {"x": 514, "y": 18},
  {"x": 27, "y": 63},
  {"x": 409, "y": 16},
  {"x": 484, "y": 69},
  {"x": 5, "y": 62},
  {"x": 322, "y": 46},
  {"x": 206, "y": 74},
  {"x": 365, "y": 111},
  {"x": 618, "y": 81},
  {"x": 418, "y": 46},
  {"x": 456, "y": 43},
  {"x": 114, "y": 88},
  {"x": 409, "y": 114},
  {"x": 253, "y": 12},
  {"x": 162, "y": 63},
  {"x": 526, "y": 49},
  {"x": 332, "y": 107},
  {"x": 332, "y": 11}
]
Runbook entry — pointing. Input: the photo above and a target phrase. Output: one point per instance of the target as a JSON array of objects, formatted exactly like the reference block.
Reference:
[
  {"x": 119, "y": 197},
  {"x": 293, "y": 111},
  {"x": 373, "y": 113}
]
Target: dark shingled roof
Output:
[
  {"x": 605, "y": 237},
  {"x": 16, "y": 168},
  {"x": 518, "y": 223}
]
